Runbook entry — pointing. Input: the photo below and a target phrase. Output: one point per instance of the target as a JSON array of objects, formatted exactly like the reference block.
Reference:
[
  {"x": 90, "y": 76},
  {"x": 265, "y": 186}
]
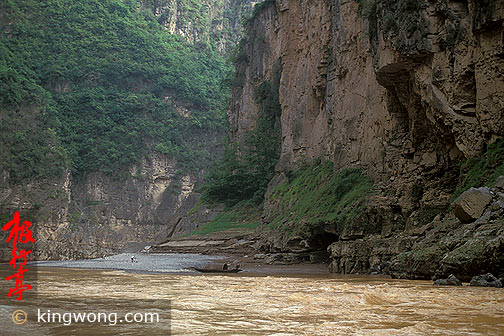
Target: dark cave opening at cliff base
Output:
[
  {"x": 319, "y": 242},
  {"x": 311, "y": 246}
]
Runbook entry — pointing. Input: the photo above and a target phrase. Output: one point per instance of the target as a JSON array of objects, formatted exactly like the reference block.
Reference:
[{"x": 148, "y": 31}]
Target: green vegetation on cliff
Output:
[
  {"x": 317, "y": 195},
  {"x": 368, "y": 10},
  {"x": 243, "y": 173},
  {"x": 29, "y": 147},
  {"x": 482, "y": 171},
  {"x": 240, "y": 216},
  {"x": 258, "y": 9},
  {"x": 104, "y": 76},
  {"x": 401, "y": 22},
  {"x": 195, "y": 11}
]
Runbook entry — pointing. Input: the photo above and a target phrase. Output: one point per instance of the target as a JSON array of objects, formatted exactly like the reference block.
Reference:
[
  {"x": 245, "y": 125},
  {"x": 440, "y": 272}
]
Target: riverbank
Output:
[
  {"x": 182, "y": 263},
  {"x": 240, "y": 246}
]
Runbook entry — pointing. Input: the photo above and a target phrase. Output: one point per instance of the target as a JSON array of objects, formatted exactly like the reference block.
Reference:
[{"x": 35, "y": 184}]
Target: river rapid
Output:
[{"x": 244, "y": 304}]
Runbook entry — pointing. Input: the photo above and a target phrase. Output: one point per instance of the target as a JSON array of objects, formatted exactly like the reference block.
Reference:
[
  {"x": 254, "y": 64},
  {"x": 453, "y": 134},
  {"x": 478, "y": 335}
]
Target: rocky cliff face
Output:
[
  {"x": 202, "y": 21},
  {"x": 86, "y": 217},
  {"x": 403, "y": 90}
]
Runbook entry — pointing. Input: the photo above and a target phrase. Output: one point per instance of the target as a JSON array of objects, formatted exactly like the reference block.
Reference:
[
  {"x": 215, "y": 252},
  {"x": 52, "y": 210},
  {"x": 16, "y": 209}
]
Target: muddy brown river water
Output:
[{"x": 248, "y": 304}]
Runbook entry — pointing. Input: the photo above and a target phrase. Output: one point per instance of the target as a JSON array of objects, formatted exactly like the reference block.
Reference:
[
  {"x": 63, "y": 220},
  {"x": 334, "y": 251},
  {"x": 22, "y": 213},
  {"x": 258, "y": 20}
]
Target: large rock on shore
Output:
[
  {"x": 486, "y": 280},
  {"x": 451, "y": 247},
  {"x": 471, "y": 204},
  {"x": 450, "y": 281}
]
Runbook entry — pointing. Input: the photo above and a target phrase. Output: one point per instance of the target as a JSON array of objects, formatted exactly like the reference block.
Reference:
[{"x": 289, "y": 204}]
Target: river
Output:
[{"x": 245, "y": 303}]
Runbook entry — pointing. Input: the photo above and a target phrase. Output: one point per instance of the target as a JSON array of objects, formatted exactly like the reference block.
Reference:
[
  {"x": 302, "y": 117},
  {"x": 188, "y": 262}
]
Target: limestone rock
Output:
[
  {"x": 497, "y": 206},
  {"x": 471, "y": 204},
  {"x": 499, "y": 184},
  {"x": 485, "y": 280},
  {"x": 450, "y": 281},
  {"x": 448, "y": 247}
]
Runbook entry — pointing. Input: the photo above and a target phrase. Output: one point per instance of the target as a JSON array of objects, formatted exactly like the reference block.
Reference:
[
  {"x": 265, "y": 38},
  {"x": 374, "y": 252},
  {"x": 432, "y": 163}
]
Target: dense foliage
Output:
[
  {"x": 29, "y": 147},
  {"x": 244, "y": 173},
  {"x": 104, "y": 76}
]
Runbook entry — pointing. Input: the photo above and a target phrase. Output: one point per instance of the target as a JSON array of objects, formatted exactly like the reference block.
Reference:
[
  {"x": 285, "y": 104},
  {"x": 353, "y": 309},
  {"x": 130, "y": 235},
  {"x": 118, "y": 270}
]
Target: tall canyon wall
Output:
[{"x": 404, "y": 90}]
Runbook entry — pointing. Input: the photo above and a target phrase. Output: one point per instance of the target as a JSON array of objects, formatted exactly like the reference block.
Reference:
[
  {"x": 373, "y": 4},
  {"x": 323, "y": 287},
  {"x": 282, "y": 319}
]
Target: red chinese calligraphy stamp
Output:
[{"x": 19, "y": 233}]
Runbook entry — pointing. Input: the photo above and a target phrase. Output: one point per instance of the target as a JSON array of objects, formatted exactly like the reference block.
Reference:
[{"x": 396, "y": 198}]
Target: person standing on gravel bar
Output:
[{"x": 133, "y": 259}]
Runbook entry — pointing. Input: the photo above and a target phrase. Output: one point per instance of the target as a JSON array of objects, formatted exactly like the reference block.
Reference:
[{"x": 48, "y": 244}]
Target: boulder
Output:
[
  {"x": 471, "y": 204},
  {"x": 450, "y": 281},
  {"x": 497, "y": 206},
  {"x": 499, "y": 183},
  {"x": 485, "y": 280}
]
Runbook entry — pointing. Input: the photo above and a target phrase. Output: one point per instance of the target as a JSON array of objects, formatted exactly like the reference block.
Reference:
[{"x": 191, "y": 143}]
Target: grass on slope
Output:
[
  {"x": 482, "y": 171},
  {"x": 240, "y": 216},
  {"x": 316, "y": 194}
]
